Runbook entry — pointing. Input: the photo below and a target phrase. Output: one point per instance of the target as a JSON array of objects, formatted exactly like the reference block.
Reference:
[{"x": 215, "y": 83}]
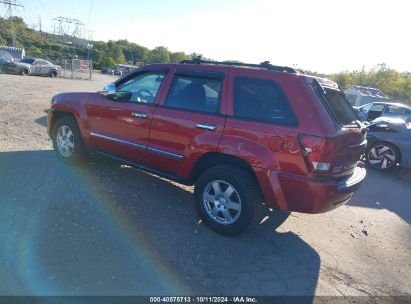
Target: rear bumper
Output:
[{"x": 290, "y": 192}]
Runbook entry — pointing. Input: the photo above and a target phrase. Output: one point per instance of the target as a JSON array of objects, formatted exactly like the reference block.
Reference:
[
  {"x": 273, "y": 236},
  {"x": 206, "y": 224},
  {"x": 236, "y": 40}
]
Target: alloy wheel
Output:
[
  {"x": 222, "y": 202},
  {"x": 65, "y": 141},
  {"x": 382, "y": 157}
]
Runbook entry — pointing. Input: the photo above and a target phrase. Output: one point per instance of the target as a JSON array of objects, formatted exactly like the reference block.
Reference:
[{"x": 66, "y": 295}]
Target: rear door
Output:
[
  {"x": 261, "y": 122},
  {"x": 397, "y": 112},
  {"x": 188, "y": 123}
]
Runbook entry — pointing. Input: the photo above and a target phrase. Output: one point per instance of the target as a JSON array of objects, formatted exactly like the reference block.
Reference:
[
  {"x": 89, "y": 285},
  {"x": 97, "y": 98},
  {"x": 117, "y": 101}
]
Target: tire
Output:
[
  {"x": 53, "y": 74},
  {"x": 226, "y": 214},
  {"x": 25, "y": 72},
  {"x": 67, "y": 141},
  {"x": 382, "y": 156}
]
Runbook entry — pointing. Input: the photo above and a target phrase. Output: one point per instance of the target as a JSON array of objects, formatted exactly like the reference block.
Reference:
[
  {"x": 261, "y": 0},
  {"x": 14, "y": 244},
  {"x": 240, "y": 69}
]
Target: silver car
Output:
[
  {"x": 373, "y": 110},
  {"x": 31, "y": 66},
  {"x": 389, "y": 143}
]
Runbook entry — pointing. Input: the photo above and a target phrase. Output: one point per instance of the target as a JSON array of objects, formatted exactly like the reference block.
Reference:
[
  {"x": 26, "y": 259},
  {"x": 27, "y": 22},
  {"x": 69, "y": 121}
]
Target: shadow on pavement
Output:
[
  {"x": 386, "y": 190},
  {"x": 42, "y": 121},
  {"x": 107, "y": 229}
]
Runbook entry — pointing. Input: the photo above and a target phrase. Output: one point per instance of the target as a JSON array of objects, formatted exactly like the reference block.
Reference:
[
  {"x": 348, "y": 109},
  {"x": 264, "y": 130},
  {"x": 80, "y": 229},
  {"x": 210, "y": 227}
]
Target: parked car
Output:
[
  {"x": 32, "y": 66},
  {"x": 373, "y": 110},
  {"x": 240, "y": 133},
  {"x": 107, "y": 71},
  {"x": 389, "y": 143},
  {"x": 5, "y": 58}
]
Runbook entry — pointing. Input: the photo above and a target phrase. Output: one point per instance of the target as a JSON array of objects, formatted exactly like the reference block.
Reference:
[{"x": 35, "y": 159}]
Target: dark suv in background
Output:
[{"x": 243, "y": 134}]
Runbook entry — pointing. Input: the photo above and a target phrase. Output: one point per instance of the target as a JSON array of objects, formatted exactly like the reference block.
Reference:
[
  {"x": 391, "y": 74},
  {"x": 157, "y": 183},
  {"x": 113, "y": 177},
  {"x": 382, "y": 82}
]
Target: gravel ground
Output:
[{"x": 107, "y": 229}]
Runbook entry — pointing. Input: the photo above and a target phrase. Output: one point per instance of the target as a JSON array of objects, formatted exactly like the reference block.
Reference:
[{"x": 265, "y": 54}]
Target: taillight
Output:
[{"x": 318, "y": 152}]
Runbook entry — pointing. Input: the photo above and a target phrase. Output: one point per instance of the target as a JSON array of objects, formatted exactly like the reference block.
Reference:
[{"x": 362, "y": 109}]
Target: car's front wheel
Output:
[
  {"x": 226, "y": 198},
  {"x": 25, "y": 72},
  {"x": 67, "y": 141},
  {"x": 382, "y": 156},
  {"x": 53, "y": 74}
]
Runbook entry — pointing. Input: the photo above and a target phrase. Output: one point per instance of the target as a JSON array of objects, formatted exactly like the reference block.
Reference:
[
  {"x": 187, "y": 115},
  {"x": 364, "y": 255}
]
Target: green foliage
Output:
[
  {"x": 107, "y": 62},
  {"x": 108, "y": 54},
  {"x": 102, "y": 53},
  {"x": 160, "y": 54},
  {"x": 391, "y": 82},
  {"x": 179, "y": 56}
]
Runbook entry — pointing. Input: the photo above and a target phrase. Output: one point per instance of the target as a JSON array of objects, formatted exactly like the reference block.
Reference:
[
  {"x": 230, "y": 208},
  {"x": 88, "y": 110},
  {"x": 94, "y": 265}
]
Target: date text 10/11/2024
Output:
[{"x": 205, "y": 299}]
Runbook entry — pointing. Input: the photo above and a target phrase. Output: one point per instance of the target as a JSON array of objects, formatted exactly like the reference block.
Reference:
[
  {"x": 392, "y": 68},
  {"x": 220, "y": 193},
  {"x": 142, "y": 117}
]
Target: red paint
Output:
[{"x": 273, "y": 151}]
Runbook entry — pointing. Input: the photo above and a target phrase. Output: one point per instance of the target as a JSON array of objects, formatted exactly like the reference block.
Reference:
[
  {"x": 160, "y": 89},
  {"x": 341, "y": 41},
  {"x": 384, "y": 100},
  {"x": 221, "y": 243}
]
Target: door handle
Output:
[
  {"x": 206, "y": 127},
  {"x": 139, "y": 115}
]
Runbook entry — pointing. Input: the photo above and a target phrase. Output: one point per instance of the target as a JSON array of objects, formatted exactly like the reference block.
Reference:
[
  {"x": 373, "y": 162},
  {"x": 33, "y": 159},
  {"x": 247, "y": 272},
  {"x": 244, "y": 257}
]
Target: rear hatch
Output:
[{"x": 350, "y": 142}]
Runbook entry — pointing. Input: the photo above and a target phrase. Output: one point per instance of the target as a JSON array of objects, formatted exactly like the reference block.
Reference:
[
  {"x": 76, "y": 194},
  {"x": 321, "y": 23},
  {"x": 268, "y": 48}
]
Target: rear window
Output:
[{"x": 338, "y": 106}]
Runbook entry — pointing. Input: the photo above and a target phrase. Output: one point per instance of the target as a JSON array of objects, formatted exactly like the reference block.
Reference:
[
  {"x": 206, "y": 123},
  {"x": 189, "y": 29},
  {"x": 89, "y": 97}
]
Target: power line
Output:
[
  {"x": 89, "y": 12},
  {"x": 45, "y": 8},
  {"x": 10, "y": 5}
]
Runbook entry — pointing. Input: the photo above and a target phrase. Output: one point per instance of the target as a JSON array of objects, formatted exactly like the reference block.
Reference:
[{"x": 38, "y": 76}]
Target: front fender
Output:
[{"x": 74, "y": 103}]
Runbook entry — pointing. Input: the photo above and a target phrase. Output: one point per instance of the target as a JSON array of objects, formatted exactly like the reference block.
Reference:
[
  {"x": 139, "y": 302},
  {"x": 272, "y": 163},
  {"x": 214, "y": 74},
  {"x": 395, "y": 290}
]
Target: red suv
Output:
[{"x": 241, "y": 133}]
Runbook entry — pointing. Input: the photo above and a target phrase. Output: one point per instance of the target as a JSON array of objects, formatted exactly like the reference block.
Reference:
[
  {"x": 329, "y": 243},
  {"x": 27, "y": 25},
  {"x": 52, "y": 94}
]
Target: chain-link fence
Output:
[{"x": 76, "y": 68}]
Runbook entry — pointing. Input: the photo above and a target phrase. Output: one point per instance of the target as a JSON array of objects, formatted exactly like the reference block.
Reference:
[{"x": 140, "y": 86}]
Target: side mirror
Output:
[{"x": 109, "y": 90}]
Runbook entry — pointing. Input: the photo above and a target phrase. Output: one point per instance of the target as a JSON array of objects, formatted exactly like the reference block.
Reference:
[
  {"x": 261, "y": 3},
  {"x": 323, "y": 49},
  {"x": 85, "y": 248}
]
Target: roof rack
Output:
[{"x": 263, "y": 65}]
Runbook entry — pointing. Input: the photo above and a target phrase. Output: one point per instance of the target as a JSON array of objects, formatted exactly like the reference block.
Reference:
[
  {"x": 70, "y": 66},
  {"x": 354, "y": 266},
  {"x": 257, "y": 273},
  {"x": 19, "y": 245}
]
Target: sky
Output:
[{"x": 326, "y": 36}]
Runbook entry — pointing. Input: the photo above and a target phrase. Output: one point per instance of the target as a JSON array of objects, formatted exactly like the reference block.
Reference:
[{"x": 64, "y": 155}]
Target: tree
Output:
[
  {"x": 115, "y": 52},
  {"x": 160, "y": 54},
  {"x": 179, "y": 56},
  {"x": 107, "y": 62}
]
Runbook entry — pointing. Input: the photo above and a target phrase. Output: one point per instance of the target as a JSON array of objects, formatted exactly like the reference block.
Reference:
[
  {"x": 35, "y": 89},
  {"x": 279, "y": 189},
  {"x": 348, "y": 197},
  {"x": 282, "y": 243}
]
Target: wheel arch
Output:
[
  {"x": 59, "y": 113},
  {"x": 212, "y": 159}
]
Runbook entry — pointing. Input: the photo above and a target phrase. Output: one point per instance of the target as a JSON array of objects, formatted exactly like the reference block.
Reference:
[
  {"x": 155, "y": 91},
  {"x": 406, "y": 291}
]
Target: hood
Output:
[{"x": 18, "y": 63}]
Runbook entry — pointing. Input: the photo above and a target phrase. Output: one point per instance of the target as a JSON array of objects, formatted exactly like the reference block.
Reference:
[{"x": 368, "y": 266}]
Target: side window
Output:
[
  {"x": 195, "y": 94},
  {"x": 260, "y": 99},
  {"x": 142, "y": 88},
  {"x": 375, "y": 111},
  {"x": 396, "y": 110}
]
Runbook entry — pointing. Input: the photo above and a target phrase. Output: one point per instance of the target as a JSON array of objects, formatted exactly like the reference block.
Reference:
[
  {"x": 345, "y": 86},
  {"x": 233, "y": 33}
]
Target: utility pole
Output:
[
  {"x": 10, "y": 5},
  {"x": 40, "y": 24}
]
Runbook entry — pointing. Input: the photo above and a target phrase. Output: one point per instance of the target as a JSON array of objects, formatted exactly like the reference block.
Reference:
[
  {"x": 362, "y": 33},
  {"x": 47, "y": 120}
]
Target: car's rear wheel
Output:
[
  {"x": 67, "y": 141},
  {"x": 53, "y": 74},
  {"x": 25, "y": 72},
  {"x": 382, "y": 156},
  {"x": 226, "y": 199}
]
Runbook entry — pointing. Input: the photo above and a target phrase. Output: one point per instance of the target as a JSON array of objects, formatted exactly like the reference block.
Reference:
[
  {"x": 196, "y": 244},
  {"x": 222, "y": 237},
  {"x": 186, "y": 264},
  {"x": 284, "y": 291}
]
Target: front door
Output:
[{"x": 120, "y": 125}]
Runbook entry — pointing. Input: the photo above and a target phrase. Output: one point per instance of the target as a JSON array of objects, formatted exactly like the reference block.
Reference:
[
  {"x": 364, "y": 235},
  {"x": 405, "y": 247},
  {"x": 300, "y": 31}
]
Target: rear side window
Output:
[
  {"x": 262, "y": 100},
  {"x": 195, "y": 94},
  {"x": 338, "y": 106},
  {"x": 397, "y": 110}
]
